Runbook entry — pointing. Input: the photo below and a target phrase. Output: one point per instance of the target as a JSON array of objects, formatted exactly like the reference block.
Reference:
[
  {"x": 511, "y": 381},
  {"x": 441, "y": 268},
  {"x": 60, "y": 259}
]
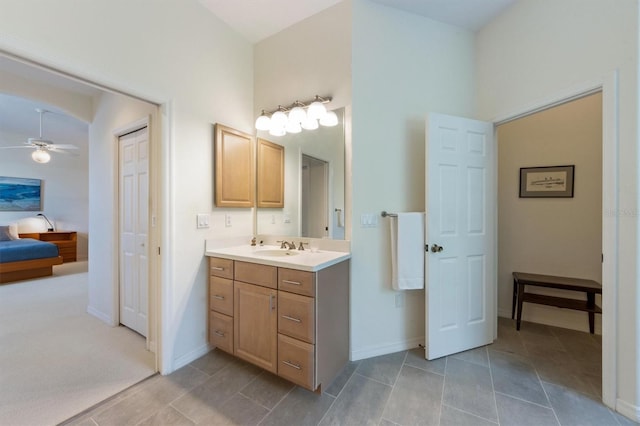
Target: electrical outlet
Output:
[{"x": 227, "y": 220}]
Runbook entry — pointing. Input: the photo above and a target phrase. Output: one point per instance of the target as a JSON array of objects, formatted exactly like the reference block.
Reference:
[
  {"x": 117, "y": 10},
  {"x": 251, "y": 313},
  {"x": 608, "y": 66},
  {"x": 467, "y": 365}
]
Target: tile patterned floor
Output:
[{"x": 538, "y": 376}]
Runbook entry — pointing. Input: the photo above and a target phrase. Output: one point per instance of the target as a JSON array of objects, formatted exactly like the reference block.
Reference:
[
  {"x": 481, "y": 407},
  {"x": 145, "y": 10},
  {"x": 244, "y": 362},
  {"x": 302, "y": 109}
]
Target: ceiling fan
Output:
[{"x": 42, "y": 146}]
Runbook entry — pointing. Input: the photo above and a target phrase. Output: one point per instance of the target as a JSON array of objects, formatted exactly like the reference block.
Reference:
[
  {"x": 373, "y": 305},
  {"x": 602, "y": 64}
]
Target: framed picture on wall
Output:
[
  {"x": 546, "y": 182},
  {"x": 20, "y": 194}
]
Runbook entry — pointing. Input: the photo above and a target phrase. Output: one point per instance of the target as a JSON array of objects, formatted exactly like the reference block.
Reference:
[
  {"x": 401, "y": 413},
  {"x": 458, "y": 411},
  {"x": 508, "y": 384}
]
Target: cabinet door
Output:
[
  {"x": 270, "y": 174},
  {"x": 256, "y": 325},
  {"x": 234, "y": 168}
]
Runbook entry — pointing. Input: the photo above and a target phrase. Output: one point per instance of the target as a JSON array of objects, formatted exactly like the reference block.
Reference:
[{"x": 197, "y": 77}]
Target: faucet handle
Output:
[
  {"x": 301, "y": 245},
  {"x": 283, "y": 244}
]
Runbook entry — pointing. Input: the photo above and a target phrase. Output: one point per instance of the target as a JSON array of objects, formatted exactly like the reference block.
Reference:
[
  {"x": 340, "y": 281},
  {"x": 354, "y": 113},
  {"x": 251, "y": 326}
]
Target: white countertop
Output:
[{"x": 302, "y": 260}]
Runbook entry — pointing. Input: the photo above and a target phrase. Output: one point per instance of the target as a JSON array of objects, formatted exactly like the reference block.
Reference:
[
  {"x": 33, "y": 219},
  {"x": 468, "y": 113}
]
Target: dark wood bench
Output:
[{"x": 590, "y": 287}]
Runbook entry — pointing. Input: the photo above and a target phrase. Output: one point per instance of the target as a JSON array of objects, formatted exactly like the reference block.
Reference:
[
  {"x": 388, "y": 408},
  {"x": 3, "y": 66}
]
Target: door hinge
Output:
[
  {"x": 602, "y": 257},
  {"x": 158, "y": 251},
  {"x": 426, "y": 248}
]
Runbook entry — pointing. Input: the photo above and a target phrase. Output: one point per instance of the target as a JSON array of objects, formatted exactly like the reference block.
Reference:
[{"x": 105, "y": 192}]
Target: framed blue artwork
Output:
[{"x": 20, "y": 194}]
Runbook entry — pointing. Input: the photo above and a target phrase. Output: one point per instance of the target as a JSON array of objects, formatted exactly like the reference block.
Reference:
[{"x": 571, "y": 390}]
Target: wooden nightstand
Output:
[{"x": 65, "y": 240}]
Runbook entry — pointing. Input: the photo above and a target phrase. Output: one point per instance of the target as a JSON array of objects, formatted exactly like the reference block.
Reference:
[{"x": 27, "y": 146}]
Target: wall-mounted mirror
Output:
[{"x": 313, "y": 184}]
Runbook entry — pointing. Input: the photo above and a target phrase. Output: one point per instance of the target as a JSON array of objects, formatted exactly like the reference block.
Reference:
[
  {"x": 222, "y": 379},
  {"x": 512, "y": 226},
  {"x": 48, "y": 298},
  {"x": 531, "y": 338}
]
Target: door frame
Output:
[
  {"x": 609, "y": 86},
  {"x": 151, "y": 338}
]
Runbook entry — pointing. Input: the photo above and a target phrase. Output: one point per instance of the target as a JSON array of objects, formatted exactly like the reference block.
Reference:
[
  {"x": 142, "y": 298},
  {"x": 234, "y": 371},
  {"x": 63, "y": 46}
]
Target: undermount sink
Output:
[{"x": 276, "y": 252}]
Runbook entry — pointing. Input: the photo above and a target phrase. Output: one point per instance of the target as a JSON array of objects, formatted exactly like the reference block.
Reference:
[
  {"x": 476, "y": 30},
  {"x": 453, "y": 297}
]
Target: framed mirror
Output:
[{"x": 314, "y": 168}]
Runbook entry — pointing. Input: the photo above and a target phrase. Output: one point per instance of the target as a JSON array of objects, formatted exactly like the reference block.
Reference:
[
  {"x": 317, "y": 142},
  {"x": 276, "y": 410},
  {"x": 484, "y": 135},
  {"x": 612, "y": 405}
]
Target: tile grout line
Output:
[
  {"x": 444, "y": 383},
  {"x": 553, "y": 410},
  {"x": 336, "y": 398},
  {"x": 469, "y": 413},
  {"x": 393, "y": 386},
  {"x": 493, "y": 387}
]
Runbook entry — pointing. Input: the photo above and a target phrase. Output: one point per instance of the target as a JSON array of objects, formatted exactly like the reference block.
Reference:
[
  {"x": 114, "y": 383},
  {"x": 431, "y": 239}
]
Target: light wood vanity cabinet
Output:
[
  {"x": 221, "y": 303},
  {"x": 270, "y": 174},
  {"x": 290, "y": 322},
  {"x": 234, "y": 168}
]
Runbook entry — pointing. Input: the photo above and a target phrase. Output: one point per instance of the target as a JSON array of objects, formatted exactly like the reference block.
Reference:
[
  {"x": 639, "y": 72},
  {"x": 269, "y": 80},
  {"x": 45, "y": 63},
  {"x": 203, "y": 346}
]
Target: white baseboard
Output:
[
  {"x": 101, "y": 316},
  {"x": 191, "y": 356},
  {"x": 388, "y": 348},
  {"x": 628, "y": 410}
]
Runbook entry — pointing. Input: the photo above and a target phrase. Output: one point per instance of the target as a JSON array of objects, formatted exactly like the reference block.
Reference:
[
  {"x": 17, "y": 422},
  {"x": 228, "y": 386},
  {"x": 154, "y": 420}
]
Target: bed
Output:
[{"x": 26, "y": 258}]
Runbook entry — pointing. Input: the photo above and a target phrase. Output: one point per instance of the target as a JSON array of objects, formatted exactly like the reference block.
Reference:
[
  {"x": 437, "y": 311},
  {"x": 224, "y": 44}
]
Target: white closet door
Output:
[{"x": 134, "y": 230}]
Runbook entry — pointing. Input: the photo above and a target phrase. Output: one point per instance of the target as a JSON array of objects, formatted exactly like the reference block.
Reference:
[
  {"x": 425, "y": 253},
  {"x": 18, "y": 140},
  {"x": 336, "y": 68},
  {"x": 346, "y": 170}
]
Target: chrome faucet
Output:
[{"x": 292, "y": 245}]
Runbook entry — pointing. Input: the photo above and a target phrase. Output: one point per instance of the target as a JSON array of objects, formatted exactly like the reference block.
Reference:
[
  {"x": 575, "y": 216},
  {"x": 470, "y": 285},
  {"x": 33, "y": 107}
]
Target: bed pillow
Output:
[
  {"x": 13, "y": 231},
  {"x": 6, "y": 234}
]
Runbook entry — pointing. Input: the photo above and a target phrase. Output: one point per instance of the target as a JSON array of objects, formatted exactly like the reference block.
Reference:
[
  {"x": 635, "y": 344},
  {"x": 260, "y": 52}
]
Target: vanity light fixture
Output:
[{"x": 297, "y": 116}]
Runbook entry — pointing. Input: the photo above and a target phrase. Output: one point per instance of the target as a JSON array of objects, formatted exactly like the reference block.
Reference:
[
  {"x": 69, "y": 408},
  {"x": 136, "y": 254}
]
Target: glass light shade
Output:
[
  {"x": 293, "y": 127},
  {"x": 330, "y": 119},
  {"x": 316, "y": 110},
  {"x": 276, "y": 130},
  {"x": 297, "y": 115},
  {"x": 310, "y": 124},
  {"x": 263, "y": 122},
  {"x": 40, "y": 156},
  {"x": 279, "y": 119}
]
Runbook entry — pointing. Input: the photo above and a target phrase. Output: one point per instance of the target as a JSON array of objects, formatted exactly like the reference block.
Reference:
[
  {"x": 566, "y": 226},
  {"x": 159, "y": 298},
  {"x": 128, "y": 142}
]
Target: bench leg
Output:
[
  {"x": 591, "y": 303},
  {"x": 513, "y": 300},
  {"x": 520, "y": 297}
]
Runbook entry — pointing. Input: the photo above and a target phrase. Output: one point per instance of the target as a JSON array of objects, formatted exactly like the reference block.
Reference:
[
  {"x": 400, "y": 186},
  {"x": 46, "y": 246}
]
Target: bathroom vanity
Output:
[{"x": 286, "y": 311}]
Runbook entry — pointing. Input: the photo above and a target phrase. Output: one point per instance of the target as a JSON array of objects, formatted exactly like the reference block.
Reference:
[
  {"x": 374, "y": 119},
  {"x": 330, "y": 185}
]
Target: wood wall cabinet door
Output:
[
  {"x": 256, "y": 325},
  {"x": 270, "y": 180},
  {"x": 234, "y": 168}
]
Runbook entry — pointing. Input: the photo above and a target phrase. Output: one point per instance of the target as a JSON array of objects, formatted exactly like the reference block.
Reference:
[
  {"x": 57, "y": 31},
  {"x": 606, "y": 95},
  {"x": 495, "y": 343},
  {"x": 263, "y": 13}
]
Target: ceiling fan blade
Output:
[
  {"x": 62, "y": 146},
  {"x": 59, "y": 151},
  {"x": 11, "y": 147}
]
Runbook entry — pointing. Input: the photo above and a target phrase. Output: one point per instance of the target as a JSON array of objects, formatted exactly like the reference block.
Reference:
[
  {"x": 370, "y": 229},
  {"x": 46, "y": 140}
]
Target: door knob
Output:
[{"x": 436, "y": 248}]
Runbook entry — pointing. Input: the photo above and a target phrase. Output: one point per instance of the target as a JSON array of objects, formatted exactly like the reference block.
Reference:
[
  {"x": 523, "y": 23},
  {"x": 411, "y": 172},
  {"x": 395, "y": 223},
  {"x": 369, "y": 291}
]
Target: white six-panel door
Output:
[
  {"x": 460, "y": 233},
  {"x": 134, "y": 230}
]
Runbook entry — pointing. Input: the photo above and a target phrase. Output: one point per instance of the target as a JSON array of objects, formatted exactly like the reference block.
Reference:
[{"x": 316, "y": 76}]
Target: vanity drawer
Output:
[
  {"x": 221, "y": 267},
  {"x": 221, "y": 331},
  {"x": 221, "y": 295},
  {"x": 254, "y": 273},
  {"x": 297, "y": 316},
  {"x": 294, "y": 281},
  {"x": 296, "y": 361}
]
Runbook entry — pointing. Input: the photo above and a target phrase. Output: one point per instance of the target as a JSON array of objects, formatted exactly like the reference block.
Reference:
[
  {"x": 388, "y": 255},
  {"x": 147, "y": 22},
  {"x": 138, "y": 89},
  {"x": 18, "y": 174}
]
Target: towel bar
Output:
[{"x": 385, "y": 214}]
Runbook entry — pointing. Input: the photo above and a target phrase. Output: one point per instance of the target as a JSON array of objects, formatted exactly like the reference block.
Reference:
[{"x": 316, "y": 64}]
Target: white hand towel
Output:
[{"x": 407, "y": 251}]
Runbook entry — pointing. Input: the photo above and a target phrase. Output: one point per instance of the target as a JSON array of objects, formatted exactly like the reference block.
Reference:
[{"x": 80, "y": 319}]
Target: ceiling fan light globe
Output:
[{"x": 40, "y": 156}]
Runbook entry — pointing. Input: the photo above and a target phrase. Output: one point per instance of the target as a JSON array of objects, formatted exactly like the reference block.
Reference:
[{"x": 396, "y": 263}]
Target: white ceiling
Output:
[{"x": 259, "y": 19}]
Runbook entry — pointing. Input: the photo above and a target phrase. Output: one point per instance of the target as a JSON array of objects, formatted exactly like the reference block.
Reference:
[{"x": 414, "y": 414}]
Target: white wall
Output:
[
  {"x": 552, "y": 236},
  {"x": 172, "y": 52},
  {"x": 404, "y": 66},
  {"x": 541, "y": 48}
]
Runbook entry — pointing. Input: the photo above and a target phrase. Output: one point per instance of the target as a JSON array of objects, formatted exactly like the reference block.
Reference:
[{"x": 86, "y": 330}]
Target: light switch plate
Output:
[
  {"x": 202, "y": 220},
  {"x": 368, "y": 220}
]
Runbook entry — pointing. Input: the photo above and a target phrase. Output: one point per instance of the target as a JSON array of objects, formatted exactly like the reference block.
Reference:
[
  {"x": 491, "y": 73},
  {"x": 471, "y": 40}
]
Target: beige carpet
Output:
[{"x": 55, "y": 359}]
